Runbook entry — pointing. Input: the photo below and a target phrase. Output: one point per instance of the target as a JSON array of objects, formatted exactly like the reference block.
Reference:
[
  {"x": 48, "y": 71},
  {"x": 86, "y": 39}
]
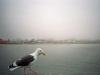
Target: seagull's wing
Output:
[{"x": 24, "y": 61}]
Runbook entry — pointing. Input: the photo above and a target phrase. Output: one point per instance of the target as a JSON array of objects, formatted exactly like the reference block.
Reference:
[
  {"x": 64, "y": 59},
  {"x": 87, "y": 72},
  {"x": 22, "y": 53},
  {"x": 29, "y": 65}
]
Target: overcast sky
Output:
[{"x": 52, "y": 19}]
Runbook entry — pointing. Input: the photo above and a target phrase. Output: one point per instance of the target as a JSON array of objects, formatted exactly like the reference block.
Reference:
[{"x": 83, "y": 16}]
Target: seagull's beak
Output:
[{"x": 44, "y": 53}]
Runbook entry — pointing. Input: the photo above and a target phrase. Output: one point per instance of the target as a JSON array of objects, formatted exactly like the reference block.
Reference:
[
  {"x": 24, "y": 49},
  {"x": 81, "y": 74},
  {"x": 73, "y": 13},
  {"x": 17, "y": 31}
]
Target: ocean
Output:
[{"x": 61, "y": 59}]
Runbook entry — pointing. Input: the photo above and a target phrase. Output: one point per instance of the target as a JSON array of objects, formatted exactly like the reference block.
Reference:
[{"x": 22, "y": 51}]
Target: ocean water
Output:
[{"x": 61, "y": 59}]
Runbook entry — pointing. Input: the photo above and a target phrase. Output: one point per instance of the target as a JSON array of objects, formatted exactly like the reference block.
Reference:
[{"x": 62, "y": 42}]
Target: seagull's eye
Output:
[{"x": 40, "y": 50}]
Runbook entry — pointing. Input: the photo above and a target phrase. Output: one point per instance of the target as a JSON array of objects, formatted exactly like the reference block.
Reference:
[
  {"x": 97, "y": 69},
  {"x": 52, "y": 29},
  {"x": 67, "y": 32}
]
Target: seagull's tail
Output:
[{"x": 12, "y": 67}]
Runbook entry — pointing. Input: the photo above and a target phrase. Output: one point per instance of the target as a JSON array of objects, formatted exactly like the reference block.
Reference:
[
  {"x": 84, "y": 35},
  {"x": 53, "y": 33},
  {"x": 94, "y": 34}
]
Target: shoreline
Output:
[{"x": 46, "y": 43}]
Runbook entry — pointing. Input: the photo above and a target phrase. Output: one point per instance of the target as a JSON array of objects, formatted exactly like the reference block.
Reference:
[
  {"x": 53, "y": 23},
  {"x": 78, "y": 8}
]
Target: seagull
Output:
[{"x": 27, "y": 60}]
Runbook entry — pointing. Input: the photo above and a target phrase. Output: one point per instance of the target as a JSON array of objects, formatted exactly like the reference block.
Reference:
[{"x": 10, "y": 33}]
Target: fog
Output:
[{"x": 50, "y": 19}]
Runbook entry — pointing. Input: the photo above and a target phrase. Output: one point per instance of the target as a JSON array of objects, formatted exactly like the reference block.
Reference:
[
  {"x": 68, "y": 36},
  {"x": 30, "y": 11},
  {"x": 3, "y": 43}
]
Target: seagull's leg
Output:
[
  {"x": 25, "y": 71},
  {"x": 33, "y": 72}
]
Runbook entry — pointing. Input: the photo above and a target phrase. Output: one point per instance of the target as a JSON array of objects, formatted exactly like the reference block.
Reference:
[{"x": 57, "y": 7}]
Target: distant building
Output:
[{"x": 2, "y": 41}]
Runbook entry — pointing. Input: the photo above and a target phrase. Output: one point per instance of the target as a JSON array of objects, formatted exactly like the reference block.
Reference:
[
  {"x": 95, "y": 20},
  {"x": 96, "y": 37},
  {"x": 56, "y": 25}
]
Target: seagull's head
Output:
[{"x": 40, "y": 51}]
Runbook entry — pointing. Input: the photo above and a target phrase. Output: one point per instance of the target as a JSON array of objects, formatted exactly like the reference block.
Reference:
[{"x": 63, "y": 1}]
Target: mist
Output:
[{"x": 50, "y": 19}]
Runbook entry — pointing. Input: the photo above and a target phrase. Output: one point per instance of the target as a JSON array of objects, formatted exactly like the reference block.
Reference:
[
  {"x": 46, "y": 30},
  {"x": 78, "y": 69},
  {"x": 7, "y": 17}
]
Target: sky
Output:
[{"x": 50, "y": 19}]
